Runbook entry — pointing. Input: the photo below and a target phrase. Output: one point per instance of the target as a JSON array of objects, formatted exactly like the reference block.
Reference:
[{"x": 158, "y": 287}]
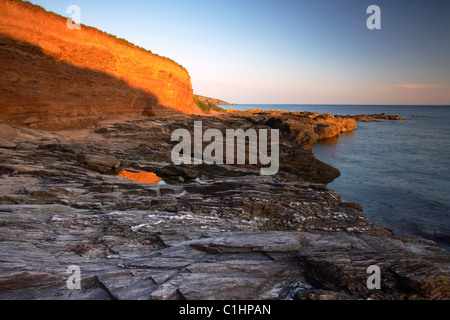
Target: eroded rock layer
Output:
[
  {"x": 208, "y": 232},
  {"x": 55, "y": 77}
]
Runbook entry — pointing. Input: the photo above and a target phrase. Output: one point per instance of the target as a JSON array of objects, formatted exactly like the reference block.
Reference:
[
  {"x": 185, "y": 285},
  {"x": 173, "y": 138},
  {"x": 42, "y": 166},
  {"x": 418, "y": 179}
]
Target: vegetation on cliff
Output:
[{"x": 207, "y": 106}]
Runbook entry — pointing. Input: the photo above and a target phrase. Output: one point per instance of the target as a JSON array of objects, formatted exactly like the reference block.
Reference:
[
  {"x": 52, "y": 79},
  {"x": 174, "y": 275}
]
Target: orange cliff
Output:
[{"x": 55, "y": 77}]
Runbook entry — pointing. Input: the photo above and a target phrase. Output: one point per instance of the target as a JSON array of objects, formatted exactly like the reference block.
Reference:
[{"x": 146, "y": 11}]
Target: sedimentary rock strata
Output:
[
  {"x": 56, "y": 77},
  {"x": 208, "y": 232}
]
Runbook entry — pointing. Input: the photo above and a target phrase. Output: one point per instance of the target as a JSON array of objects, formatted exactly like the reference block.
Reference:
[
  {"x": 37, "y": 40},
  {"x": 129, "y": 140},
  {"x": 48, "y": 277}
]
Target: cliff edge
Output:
[{"x": 55, "y": 77}]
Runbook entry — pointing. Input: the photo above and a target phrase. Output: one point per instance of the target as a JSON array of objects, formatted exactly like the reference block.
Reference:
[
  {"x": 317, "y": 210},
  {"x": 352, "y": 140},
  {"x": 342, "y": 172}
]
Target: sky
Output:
[{"x": 290, "y": 51}]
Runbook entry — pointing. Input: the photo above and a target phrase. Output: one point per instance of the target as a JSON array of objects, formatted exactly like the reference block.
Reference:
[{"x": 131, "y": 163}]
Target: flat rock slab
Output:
[
  {"x": 251, "y": 242},
  {"x": 99, "y": 162},
  {"x": 7, "y": 132},
  {"x": 7, "y": 144}
]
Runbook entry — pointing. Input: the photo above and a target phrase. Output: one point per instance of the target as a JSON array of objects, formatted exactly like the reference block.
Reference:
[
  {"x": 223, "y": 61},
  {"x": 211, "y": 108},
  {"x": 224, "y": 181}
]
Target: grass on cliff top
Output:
[
  {"x": 207, "y": 107},
  {"x": 30, "y": 5},
  {"x": 130, "y": 44}
]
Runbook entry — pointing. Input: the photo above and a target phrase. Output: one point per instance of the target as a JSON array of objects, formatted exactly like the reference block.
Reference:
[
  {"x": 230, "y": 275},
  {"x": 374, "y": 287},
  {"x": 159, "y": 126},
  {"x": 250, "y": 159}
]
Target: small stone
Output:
[
  {"x": 7, "y": 132},
  {"x": 6, "y": 144}
]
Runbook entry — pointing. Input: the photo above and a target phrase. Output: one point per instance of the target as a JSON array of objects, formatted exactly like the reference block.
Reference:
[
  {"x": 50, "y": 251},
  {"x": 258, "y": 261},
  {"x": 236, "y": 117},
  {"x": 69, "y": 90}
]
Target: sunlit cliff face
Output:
[
  {"x": 55, "y": 77},
  {"x": 140, "y": 176}
]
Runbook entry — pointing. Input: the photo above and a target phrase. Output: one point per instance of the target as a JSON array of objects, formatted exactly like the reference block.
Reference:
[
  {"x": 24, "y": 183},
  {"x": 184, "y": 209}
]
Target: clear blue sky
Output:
[{"x": 290, "y": 51}]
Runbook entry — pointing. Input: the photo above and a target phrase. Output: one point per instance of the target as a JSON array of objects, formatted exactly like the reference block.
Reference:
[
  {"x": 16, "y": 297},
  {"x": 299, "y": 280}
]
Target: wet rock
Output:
[
  {"x": 391, "y": 117},
  {"x": 376, "y": 117}
]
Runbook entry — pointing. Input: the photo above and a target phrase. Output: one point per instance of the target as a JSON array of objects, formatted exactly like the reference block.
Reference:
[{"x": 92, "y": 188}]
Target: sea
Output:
[{"x": 398, "y": 170}]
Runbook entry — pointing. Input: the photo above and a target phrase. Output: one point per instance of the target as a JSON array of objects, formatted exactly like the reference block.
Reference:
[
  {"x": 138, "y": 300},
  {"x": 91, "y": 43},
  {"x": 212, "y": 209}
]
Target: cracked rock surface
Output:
[{"x": 208, "y": 232}]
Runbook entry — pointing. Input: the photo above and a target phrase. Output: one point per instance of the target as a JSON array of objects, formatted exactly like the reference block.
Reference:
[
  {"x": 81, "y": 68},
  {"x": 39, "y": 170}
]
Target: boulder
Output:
[
  {"x": 99, "y": 162},
  {"x": 7, "y": 144},
  {"x": 7, "y": 132}
]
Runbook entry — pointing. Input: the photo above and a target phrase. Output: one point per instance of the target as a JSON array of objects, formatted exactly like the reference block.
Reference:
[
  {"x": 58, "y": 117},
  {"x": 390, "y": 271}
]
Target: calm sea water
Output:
[{"x": 397, "y": 170}]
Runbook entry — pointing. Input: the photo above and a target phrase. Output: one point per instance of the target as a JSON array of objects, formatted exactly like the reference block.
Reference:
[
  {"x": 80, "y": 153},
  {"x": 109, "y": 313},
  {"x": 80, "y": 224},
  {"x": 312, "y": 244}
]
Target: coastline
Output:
[
  {"x": 93, "y": 205},
  {"x": 62, "y": 204}
]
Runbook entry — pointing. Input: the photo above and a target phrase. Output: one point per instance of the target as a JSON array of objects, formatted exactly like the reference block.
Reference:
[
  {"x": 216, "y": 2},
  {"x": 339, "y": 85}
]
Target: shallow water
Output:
[{"x": 397, "y": 170}]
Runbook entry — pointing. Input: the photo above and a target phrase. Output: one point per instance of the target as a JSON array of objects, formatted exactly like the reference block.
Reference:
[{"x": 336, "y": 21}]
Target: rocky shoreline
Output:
[{"x": 205, "y": 231}]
